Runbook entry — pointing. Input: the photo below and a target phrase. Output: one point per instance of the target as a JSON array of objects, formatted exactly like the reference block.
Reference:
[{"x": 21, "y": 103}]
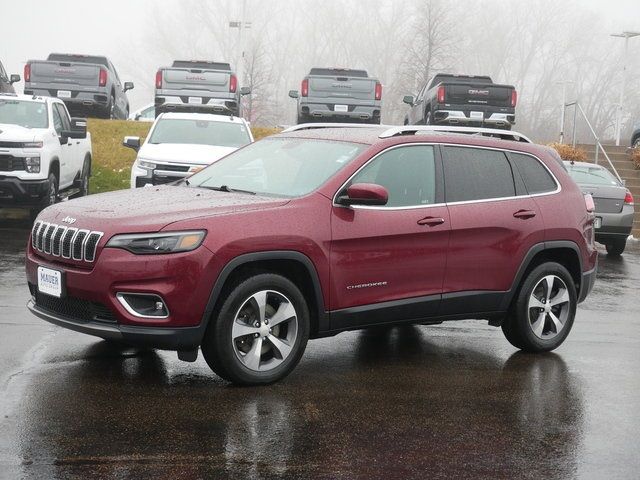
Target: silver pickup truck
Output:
[
  {"x": 339, "y": 94},
  {"x": 198, "y": 86},
  {"x": 88, "y": 85}
]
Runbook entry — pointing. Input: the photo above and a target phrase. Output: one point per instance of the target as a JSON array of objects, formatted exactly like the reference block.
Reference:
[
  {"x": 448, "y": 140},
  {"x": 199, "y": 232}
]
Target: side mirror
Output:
[
  {"x": 128, "y": 86},
  {"x": 78, "y": 129},
  {"x": 14, "y": 79},
  {"x": 132, "y": 142},
  {"x": 294, "y": 93},
  {"x": 245, "y": 91},
  {"x": 364, "y": 194},
  {"x": 408, "y": 99}
]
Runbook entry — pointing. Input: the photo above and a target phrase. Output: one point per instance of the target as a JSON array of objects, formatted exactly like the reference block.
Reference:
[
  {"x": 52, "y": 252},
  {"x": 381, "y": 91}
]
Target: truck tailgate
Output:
[
  {"x": 195, "y": 79},
  {"x": 84, "y": 74},
  {"x": 342, "y": 87},
  {"x": 478, "y": 94}
]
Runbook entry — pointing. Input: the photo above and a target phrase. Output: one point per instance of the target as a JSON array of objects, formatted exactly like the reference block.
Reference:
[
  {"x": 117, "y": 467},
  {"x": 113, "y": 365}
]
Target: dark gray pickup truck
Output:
[
  {"x": 339, "y": 94},
  {"x": 198, "y": 86},
  {"x": 463, "y": 100},
  {"x": 88, "y": 85}
]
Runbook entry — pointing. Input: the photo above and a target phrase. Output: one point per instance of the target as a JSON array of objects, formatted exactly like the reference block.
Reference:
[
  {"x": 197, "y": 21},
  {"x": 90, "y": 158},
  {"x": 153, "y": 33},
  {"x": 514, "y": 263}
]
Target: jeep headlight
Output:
[
  {"x": 32, "y": 164},
  {"x": 155, "y": 243}
]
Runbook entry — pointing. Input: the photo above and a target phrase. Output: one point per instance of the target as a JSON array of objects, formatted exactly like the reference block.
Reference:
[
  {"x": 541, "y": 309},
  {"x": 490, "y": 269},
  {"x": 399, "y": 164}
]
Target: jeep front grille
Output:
[{"x": 65, "y": 242}]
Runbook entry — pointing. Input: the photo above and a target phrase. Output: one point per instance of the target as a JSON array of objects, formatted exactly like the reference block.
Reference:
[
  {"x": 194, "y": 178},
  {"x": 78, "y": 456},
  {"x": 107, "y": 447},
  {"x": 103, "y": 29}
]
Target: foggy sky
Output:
[{"x": 119, "y": 29}]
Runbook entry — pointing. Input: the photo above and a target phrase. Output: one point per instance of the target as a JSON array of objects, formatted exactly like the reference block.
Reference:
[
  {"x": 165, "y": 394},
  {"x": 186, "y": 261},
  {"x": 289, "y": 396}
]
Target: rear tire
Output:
[
  {"x": 616, "y": 247},
  {"x": 260, "y": 332},
  {"x": 543, "y": 311},
  {"x": 111, "y": 108}
]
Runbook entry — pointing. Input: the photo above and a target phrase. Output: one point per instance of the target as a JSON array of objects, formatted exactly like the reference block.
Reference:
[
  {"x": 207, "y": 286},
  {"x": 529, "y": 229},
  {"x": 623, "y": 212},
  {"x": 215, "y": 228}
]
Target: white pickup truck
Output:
[{"x": 45, "y": 155}]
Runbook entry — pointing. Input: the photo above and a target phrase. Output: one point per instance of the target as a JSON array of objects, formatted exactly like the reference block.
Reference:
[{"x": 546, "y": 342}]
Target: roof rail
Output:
[
  {"x": 312, "y": 126},
  {"x": 489, "y": 132}
]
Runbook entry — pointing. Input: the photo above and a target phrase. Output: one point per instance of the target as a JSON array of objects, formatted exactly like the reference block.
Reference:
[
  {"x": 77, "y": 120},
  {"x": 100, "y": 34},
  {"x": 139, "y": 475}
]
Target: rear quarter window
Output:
[
  {"x": 476, "y": 174},
  {"x": 536, "y": 177}
]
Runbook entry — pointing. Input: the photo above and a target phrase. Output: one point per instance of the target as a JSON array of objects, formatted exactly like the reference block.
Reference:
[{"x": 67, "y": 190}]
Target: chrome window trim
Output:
[
  {"x": 73, "y": 257},
  {"x": 73, "y": 236},
  {"x": 130, "y": 310},
  {"x": 462, "y": 202},
  {"x": 95, "y": 249}
]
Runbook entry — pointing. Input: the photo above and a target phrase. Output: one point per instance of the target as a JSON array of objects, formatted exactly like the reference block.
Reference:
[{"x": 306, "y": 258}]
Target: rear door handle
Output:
[
  {"x": 524, "y": 214},
  {"x": 431, "y": 221}
]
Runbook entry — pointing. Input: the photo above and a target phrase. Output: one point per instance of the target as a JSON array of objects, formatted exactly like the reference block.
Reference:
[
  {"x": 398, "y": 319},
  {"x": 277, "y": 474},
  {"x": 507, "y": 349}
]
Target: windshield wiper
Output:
[{"x": 225, "y": 188}]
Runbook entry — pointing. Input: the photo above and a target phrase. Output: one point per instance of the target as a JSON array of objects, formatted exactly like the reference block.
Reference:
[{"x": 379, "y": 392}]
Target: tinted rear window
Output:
[
  {"x": 476, "y": 174},
  {"x": 58, "y": 57},
  {"x": 339, "y": 72},
  {"x": 209, "y": 65},
  {"x": 537, "y": 178}
]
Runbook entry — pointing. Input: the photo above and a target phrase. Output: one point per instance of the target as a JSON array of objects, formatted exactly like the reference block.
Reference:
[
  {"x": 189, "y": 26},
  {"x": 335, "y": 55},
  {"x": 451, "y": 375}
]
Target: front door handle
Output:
[
  {"x": 524, "y": 214},
  {"x": 431, "y": 221}
]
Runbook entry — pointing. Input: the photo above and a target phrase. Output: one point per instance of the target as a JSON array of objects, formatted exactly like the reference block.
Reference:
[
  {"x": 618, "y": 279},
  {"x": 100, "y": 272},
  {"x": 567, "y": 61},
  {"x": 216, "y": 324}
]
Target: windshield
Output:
[
  {"x": 591, "y": 175},
  {"x": 200, "y": 132},
  {"x": 287, "y": 167},
  {"x": 25, "y": 114}
]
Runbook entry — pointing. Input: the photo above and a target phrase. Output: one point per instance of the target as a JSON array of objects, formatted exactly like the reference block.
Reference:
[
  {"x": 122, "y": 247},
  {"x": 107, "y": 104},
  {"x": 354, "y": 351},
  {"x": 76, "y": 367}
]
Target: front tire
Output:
[
  {"x": 616, "y": 247},
  {"x": 544, "y": 309},
  {"x": 260, "y": 332},
  {"x": 84, "y": 179},
  {"x": 50, "y": 199}
]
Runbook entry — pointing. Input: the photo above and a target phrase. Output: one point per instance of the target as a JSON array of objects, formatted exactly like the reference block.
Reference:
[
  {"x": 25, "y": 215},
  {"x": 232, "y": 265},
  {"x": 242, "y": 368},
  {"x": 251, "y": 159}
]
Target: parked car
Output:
[
  {"x": 339, "y": 94},
  {"x": 635, "y": 137},
  {"x": 144, "y": 114},
  {"x": 180, "y": 144},
  {"x": 87, "y": 84},
  {"x": 309, "y": 233},
  {"x": 7, "y": 81},
  {"x": 198, "y": 86},
  {"x": 463, "y": 100},
  {"x": 44, "y": 154},
  {"x": 613, "y": 204}
]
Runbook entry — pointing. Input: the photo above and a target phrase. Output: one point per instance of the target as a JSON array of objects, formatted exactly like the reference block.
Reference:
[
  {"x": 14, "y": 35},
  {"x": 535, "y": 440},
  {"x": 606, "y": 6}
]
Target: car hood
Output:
[
  {"x": 151, "y": 208},
  {"x": 183, "y": 153},
  {"x": 16, "y": 133}
]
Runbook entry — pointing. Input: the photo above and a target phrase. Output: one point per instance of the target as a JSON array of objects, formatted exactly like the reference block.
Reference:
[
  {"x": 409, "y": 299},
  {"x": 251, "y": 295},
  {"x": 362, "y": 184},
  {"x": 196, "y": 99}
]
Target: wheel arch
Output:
[
  {"x": 564, "y": 252},
  {"x": 54, "y": 167},
  {"x": 293, "y": 265}
]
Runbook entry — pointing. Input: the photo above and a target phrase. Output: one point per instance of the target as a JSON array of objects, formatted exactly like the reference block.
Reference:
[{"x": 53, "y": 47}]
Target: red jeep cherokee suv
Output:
[{"x": 317, "y": 231}]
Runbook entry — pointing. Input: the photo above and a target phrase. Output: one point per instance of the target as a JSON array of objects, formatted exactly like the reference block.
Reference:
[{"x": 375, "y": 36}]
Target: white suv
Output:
[
  {"x": 180, "y": 144},
  {"x": 45, "y": 155}
]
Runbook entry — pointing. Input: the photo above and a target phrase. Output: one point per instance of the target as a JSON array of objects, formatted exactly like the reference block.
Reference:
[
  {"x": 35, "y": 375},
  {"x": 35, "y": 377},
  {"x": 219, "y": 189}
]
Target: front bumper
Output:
[
  {"x": 185, "y": 338},
  {"x": 15, "y": 192},
  {"x": 90, "y": 305}
]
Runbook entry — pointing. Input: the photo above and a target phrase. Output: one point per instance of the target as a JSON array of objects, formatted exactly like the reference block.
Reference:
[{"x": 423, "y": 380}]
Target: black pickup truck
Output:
[{"x": 463, "y": 100}]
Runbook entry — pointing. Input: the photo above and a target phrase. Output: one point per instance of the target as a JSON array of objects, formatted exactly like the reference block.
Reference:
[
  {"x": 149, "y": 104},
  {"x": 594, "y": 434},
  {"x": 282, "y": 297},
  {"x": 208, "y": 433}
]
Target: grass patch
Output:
[{"x": 111, "y": 165}]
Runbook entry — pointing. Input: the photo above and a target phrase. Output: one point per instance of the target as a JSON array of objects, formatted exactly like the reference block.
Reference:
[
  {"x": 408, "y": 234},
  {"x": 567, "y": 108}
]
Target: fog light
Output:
[
  {"x": 32, "y": 164},
  {"x": 145, "y": 305}
]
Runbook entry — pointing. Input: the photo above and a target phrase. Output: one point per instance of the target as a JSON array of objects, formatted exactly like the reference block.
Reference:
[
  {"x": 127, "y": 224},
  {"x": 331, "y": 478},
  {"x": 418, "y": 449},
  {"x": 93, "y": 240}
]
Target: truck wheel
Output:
[
  {"x": 543, "y": 311},
  {"x": 616, "y": 247},
  {"x": 427, "y": 118},
  {"x": 111, "y": 108},
  {"x": 260, "y": 332},
  {"x": 50, "y": 199},
  {"x": 83, "y": 183}
]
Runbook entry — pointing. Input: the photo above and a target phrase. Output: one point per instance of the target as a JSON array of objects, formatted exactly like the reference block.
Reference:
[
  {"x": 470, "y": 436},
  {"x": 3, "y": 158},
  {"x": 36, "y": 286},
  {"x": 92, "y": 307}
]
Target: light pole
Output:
[
  {"x": 563, "y": 107},
  {"x": 240, "y": 25},
  {"x": 626, "y": 36}
]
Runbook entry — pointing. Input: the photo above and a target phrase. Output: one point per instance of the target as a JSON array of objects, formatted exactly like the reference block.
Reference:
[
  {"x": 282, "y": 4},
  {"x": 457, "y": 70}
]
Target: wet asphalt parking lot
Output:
[{"x": 447, "y": 401}]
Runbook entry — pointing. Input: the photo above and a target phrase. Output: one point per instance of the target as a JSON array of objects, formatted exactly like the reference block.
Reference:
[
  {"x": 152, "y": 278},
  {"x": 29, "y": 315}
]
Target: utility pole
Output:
[
  {"x": 620, "y": 110},
  {"x": 563, "y": 107},
  {"x": 241, "y": 25}
]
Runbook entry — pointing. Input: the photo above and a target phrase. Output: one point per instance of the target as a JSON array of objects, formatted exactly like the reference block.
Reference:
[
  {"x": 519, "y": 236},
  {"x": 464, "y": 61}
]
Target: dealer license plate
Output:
[
  {"x": 477, "y": 115},
  {"x": 50, "y": 281},
  {"x": 64, "y": 94},
  {"x": 195, "y": 100},
  {"x": 340, "y": 108}
]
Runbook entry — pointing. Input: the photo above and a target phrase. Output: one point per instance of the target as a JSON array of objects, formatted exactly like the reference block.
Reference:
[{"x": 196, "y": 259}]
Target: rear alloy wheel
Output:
[
  {"x": 616, "y": 247},
  {"x": 544, "y": 311},
  {"x": 260, "y": 333}
]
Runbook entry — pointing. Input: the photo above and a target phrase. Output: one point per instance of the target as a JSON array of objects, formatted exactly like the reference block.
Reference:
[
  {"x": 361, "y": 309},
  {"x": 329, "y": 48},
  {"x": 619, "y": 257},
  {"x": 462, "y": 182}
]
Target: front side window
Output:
[
  {"x": 476, "y": 174},
  {"x": 280, "y": 166},
  {"x": 200, "y": 132},
  {"x": 57, "y": 121},
  {"x": 64, "y": 117},
  {"x": 25, "y": 114},
  {"x": 408, "y": 174}
]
